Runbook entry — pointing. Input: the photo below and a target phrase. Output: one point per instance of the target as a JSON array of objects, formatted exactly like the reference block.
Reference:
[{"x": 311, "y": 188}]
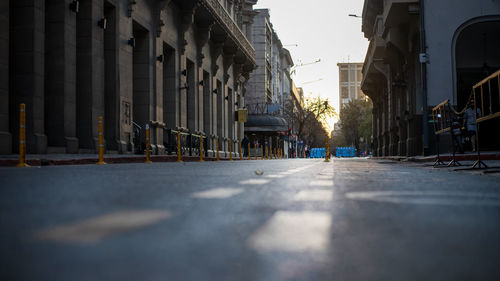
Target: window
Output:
[
  {"x": 343, "y": 75},
  {"x": 345, "y": 93}
]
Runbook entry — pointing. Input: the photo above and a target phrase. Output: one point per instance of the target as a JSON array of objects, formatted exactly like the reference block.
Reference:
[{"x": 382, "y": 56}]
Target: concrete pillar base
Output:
[
  {"x": 160, "y": 149},
  {"x": 40, "y": 145},
  {"x": 402, "y": 148},
  {"x": 5, "y": 143},
  {"x": 410, "y": 143},
  {"x": 71, "y": 145},
  {"x": 123, "y": 147}
]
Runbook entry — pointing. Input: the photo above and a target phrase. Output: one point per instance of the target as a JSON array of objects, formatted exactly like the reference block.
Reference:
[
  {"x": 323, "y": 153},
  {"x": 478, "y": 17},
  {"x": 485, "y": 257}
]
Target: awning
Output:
[{"x": 265, "y": 123}]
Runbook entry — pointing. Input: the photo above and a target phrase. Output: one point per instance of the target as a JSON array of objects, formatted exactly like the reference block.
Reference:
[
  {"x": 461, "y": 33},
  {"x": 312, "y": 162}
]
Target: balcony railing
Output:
[{"x": 226, "y": 21}]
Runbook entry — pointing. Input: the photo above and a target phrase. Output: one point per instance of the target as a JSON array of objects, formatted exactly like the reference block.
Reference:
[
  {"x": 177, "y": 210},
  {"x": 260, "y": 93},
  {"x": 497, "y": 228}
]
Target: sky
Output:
[{"x": 323, "y": 30}]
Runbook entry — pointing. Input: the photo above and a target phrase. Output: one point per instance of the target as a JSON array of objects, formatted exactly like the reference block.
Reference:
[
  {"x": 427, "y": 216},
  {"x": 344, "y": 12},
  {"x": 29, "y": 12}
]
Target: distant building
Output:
[
  {"x": 350, "y": 77},
  {"x": 270, "y": 87}
]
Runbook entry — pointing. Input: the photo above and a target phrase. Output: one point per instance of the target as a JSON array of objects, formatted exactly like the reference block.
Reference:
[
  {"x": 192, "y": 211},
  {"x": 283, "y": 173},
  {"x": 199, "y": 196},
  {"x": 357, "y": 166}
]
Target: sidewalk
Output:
[
  {"x": 85, "y": 159},
  {"x": 446, "y": 157}
]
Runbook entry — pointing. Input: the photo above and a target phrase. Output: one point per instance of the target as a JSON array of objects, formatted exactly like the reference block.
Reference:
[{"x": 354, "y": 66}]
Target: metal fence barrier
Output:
[
  {"x": 443, "y": 116},
  {"x": 487, "y": 94},
  {"x": 189, "y": 142}
]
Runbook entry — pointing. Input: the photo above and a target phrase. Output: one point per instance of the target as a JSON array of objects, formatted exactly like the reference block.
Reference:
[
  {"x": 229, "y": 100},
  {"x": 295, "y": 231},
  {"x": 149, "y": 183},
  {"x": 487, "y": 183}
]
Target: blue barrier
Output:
[
  {"x": 347, "y": 152},
  {"x": 318, "y": 152}
]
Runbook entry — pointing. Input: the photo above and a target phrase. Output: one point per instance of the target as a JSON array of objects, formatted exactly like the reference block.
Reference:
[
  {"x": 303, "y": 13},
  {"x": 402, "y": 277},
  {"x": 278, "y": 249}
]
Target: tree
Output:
[
  {"x": 310, "y": 122},
  {"x": 356, "y": 122}
]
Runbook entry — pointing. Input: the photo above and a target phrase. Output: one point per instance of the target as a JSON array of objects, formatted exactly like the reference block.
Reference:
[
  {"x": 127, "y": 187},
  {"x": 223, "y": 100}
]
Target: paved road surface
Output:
[{"x": 301, "y": 220}]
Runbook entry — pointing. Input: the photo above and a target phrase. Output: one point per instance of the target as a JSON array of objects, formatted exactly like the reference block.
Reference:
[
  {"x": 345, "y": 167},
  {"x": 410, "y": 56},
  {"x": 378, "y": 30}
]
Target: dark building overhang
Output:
[
  {"x": 371, "y": 9},
  {"x": 266, "y": 123},
  {"x": 397, "y": 12},
  {"x": 372, "y": 76}
]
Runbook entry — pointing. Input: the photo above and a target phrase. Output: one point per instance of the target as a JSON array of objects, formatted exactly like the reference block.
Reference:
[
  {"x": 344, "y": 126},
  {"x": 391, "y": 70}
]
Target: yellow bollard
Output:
[
  {"x": 241, "y": 154},
  {"x": 249, "y": 156},
  {"x": 327, "y": 158},
  {"x": 148, "y": 145},
  {"x": 101, "y": 142},
  {"x": 262, "y": 152},
  {"x": 217, "y": 147},
  {"x": 329, "y": 152},
  {"x": 266, "y": 153},
  {"x": 179, "y": 157},
  {"x": 230, "y": 150},
  {"x": 22, "y": 136},
  {"x": 256, "y": 150},
  {"x": 201, "y": 148}
]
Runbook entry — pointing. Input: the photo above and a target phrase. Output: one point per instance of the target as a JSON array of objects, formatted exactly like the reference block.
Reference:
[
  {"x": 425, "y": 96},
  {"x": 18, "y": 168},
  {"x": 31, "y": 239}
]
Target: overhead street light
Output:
[
  {"x": 310, "y": 82},
  {"x": 355, "y": 16},
  {"x": 294, "y": 68}
]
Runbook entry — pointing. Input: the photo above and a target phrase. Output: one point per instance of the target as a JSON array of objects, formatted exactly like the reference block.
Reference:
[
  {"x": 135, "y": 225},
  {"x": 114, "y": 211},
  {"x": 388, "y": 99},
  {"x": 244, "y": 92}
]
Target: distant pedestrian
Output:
[
  {"x": 244, "y": 144},
  {"x": 470, "y": 123},
  {"x": 457, "y": 136}
]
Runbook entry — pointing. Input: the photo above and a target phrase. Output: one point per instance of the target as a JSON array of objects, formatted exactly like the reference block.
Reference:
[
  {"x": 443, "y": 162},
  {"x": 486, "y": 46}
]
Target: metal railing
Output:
[
  {"x": 189, "y": 142},
  {"x": 139, "y": 145},
  {"x": 444, "y": 118},
  {"x": 487, "y": 94}
]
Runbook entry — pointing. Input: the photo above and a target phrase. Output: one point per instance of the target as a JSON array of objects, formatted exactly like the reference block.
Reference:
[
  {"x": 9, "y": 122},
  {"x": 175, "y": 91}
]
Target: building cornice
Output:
[{"x": 226, "y": 22}]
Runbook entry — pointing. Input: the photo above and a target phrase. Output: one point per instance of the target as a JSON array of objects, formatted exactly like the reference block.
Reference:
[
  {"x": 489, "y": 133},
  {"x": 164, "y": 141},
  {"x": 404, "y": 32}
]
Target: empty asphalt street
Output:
[{"x": 358, "y": 220}]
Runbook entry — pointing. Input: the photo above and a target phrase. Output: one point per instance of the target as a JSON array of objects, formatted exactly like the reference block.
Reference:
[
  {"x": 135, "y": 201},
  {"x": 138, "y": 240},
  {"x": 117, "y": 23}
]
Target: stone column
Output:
[
  {"x": 202, "y": 37},
  {"x": 112, "y": 112},
  {"x": 90, "y": 72},
  {"x": 221, "y": 109},
  {"x": 157, "y": 132},
  {"x": 5, "y": 136},
  {"x": 27, "y": 45},
  {"x": 200, "y": 94},
  {"x": 60, "y": 95},
  {"x": 207, "y": 106},
  {"x": 217, "y": 89},
  {"x": 171, "y": 99},
  {"x": 187, "y": 20},
  {"x": 228, "y": 61},
  {"x": 215, "y": 101}
]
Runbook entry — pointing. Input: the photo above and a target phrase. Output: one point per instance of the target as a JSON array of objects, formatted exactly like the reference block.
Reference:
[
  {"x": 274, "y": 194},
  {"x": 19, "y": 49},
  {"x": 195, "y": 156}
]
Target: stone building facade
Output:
[
  {"x": 167, "y": 63},
  {"x": 269, "y": 88},
  {"x": 421, "y": 53}
]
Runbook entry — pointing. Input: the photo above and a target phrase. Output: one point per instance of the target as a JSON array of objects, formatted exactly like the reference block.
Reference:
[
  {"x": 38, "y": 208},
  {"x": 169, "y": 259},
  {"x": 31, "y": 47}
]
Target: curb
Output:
[
  {"x": 110, "y": 160},
  {"x": 446, "y": 158}
]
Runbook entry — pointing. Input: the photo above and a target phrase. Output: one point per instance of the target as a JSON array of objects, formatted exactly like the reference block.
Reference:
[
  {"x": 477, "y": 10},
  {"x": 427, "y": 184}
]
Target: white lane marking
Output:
[
  {"x": 324, "y": 177},
  {"x": 255, "y": 181},
  {"x": 217, "y": 193},
  {"x": 275, "y": 176},
  {"x": 323, "y": 183},
  {"x": 429, "y": 197},
  {"x": 293, "y": 232},
  {"x": 314, "y": 195},
  {"x": 95, "y": 229}
]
